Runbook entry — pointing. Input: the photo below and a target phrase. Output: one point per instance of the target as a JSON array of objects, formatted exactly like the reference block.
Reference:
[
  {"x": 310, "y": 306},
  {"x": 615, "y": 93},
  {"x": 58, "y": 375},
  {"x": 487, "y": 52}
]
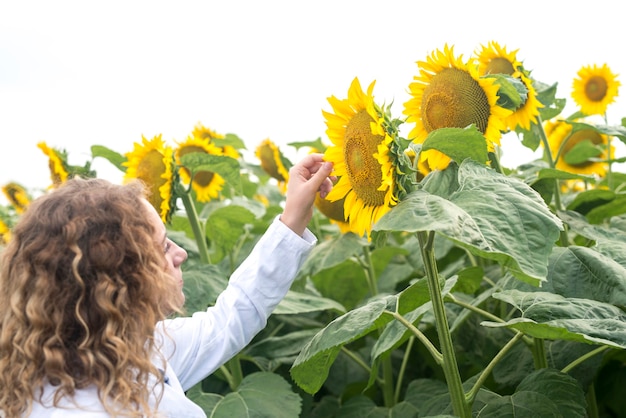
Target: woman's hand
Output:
[{"x": 309, "y": 176}]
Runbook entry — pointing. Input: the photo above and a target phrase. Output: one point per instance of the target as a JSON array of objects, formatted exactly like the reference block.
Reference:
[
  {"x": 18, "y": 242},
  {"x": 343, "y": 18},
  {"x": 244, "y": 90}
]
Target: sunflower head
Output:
[
  {"x": 206, "y": 184},
  {"x": 365, "y": 157},
  {"x": 564, "y": 142},
  {"x": 5, "y": 232},
  {"x": 152, "y": 162},
  {"x": 17, "y": 196},
  {"x": 334, "y": 212},
  {"x": 594, "y": 89},
  {"x": 273, "y": 162},
  {"x": 57, "y": 162},
  {"x": 494, "y": 59},
  {"x": 448, "y": 93}
]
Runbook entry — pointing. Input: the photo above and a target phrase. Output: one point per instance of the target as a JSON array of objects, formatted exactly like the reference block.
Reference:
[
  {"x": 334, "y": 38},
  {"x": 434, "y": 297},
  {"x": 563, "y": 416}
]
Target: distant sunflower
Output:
[
  {"x": 206, "y": 184},
  {"x": 595, "y": 89},
  {"x": 17, "y": 196},
  {"x": 360, "y": 154},
  {"x": 57, "y": 162},
  {"x": 201, "y": 131},
  {"x": 561, "y": 141},
  {"x": 494, "y": 59},
  {"x": 5, "y": 232},
  {"x": 153, "y": 163},
  {"x": 273, "y": 162},
  {"x": 448, "y": 93}
]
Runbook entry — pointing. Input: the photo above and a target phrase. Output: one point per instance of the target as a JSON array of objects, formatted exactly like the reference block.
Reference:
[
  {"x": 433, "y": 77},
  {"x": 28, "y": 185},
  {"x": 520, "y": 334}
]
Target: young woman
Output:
[{"x": 87, "y": 283}]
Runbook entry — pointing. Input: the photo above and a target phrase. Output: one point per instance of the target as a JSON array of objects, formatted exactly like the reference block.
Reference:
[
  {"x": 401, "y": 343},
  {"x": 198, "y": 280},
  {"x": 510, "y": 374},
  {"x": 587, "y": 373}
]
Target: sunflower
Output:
[
  {"x": 201, "y": 131},
  {"x": 5, "y": 232},
  {"x": 494, "y": 59},
  {"x": 152, "y": 162},
  {"x": 57, "y": 162},
  {"x": 595, "y": 89},
  {"x": 334, "y": 212},
  {"x": 561, "y": 141},
  {"x": 362, "y": 137},
  {"x": 273, "y": 162},
  {"x": 448, "y": 93},
  {"x": 206, "y": 184},
  {"x": 17, "y": 196}
]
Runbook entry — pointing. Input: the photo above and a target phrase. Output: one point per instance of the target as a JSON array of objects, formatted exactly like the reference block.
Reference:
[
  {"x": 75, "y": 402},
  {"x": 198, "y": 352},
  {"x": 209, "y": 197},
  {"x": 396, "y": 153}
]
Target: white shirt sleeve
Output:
[{"x": 196, "y": 346}]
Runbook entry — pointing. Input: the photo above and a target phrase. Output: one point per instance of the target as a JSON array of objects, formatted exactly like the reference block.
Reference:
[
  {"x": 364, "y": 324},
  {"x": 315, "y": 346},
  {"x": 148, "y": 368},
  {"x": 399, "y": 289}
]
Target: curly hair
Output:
[{"x": 83, "y": 284}]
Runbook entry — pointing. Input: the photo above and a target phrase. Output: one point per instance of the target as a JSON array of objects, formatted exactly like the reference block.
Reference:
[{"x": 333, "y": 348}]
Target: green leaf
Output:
[
  {"x": 491, "y": 215},
  {"x": 345, "y": 283},
  {"x": 260, "y": 394},
  {"x": 552, "y": 173},
  {"x": 554, "y": 317},
  {"x": 231, "y": 140},
  {"x": 520, "y": 405},
  {"x": 296, "y": 303},
  {"x": 458, "y": 143},
  {"x": 311, "y": 368},
  {"x": 202, "y": 284},
  {"x": 615, "y": 207},
  {"x": 226, "y": 167},
  {"x": 283, "y": 348},
  {"x": 563, "y": 390},
  {"x": 225, "y": 225},
  {"x": 332, "y": 252},
  {"x": 582, "y": 152},
  {"x": 114, "y": 158},
  {"x": 581, "y": 272}
]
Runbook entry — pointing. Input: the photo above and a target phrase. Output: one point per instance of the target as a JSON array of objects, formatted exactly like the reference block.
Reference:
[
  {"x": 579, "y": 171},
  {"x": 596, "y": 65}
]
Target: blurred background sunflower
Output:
[
  {"x": 152, "y": 162},
  {"x": 495, "y": 59},
  {"x": 594, "y": 89},
  {"x": 57, "y": 162},
  {"x": 17, "y": 196},
  {"x": 206, "y": 184},
  {"x": 583, "y": 151},
  {"x": 448, "y": 93},
  {"x": 273, "y": 162}
]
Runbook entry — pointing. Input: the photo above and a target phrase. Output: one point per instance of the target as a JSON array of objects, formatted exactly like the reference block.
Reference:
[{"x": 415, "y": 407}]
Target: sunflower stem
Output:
[
  {"x": 405, "y": 362},
  {"x": 386, "y": 362},
  {"x": 564, "y": 239},
  {"x": 196, "y": 227},
  {"x": 460, "y": 406},
  {"x": 539, "y": 354}
]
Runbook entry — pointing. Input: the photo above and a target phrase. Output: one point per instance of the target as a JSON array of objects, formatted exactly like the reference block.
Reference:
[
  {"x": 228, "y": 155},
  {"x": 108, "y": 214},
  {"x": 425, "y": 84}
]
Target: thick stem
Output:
[
  {"x": 539, "y": 354},
  {"x": 196, "y": 227},
  {"x": 564, "y": 239},
  {"x": 234, "y": 366},
  {"x": 460, "y": 406},
  {"x": 387, "y": 367}
]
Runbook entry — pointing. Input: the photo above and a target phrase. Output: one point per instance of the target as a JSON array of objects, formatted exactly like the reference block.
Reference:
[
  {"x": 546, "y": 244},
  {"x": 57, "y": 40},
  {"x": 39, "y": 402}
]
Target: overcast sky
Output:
[{"x": 80, "y": 73}]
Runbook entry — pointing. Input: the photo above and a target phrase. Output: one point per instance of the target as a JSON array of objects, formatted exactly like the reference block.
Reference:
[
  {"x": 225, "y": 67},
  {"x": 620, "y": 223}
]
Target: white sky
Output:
[{"x": 80, "y": 73}]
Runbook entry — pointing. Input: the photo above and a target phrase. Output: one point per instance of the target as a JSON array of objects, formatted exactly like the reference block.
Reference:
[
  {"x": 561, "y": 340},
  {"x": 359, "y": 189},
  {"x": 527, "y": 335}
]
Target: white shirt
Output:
[{"x": 200, "y": 344}]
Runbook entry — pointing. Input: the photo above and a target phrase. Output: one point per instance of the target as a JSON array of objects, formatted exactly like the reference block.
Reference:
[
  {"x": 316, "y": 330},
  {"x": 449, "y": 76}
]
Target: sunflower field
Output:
[{"x": 443, "y": 283}]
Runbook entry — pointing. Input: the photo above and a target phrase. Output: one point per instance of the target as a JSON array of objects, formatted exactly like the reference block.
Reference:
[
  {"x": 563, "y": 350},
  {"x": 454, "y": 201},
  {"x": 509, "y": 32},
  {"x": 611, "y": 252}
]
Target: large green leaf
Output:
[
  {"x": 114, "y": 157},
  {"x": 554, "y": 317},
  {"x": 310, "y": 369},
  {"x": 296, "y": 303},
  {"x": 562, "y": 389},
  {"x": 491, "y": 215},
  {"x": 361, "y": 406},
  {"x": 520, "y": 405},
  {"x": 332, "y": 252},
  {"x": 260, "y": 394},
  {"x": 228, "y": 168},
  {"x": 458, "y": 143},
  {"x": 581, "y": 272},
  {"x": 225, "y": 225}
]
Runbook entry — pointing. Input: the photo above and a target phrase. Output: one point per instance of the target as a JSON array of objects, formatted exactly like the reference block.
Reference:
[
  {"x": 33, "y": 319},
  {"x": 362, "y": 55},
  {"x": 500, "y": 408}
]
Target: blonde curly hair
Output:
[{"x": 83, "y": 284}]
